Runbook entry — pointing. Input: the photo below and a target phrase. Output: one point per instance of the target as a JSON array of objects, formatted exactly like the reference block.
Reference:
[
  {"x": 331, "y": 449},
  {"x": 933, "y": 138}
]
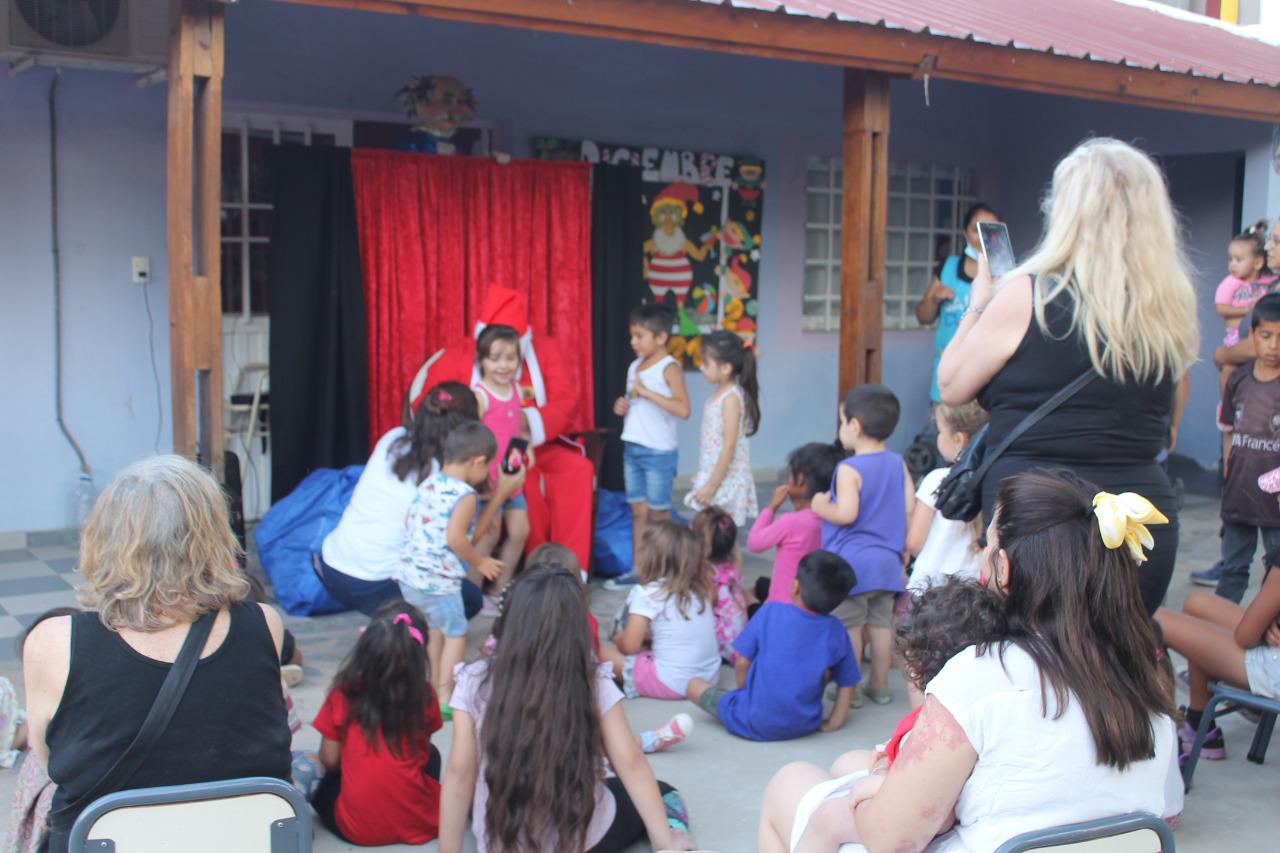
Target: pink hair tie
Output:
[
  {"x": 444, "y": 397},
  {"x": 413, "y": 632},
  {"x": 724, "y": 522}
]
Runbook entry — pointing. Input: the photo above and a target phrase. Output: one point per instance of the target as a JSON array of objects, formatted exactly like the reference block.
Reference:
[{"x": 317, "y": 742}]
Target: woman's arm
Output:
[
  {"x": 46, "y": 662},
  {"x": 459, "y": 783},
  {"x": 845, "y": 509},
  {"x": 1236, "y": 354},
  {"x": 678, "y": 403},
  {"x": 630, "y": 640},
  {"x": 989, "y": 333},
  {"x": 1261, "y": 613},
  {"x": 922, "y": 786},
  {"x": 637, "y": 776},
  {"x": 275, "y": 624},
  {"x": 731, "y": 412}
]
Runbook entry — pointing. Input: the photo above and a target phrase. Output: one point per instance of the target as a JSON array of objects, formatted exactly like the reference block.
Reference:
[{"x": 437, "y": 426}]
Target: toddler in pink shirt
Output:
[{"x": 794, "y": 534}]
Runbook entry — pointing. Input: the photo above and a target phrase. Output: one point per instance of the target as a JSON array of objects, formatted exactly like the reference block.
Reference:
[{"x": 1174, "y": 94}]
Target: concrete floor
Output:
[{"x": 722, "y": 777}]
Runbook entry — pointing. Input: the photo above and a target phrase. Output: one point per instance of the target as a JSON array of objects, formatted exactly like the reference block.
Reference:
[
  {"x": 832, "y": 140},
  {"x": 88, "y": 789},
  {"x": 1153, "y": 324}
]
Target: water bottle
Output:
[{"x": 84, "y": 498}]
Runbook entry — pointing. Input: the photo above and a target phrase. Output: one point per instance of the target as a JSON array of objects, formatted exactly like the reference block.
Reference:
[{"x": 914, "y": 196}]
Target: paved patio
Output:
[{"x": 721, "y": 776}]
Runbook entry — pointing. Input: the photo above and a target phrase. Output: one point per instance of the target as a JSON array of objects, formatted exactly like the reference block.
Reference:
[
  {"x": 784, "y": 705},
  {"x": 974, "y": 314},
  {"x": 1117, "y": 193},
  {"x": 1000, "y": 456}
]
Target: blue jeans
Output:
[
  {"x": 1238, "y": 544},
  {"x": 368, "y": 596},
  {"x": 648, "y": 474}
]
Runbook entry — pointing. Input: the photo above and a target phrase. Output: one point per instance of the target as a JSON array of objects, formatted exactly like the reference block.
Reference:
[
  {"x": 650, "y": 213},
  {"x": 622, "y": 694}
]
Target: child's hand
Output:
[
  {"x": 490, "y": 568},
  {"x": 703, "y": 497},
  {"x": 1272, "y": 637},
  {"x": 620, "y": 407},
  {"x": 828, "y": 727},
  {"x": 780, "y": 495},
  {"x": 509, "y": 484}
]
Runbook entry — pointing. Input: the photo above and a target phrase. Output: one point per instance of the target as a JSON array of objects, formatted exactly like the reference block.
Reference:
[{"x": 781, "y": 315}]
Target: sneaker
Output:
[
  {"x": 676, "y": 730},
  {"x": 621, "y": 582},
  {"x": 291, "y": 673},
  {"x": 491, "y": 606},
  {"x": 879, "y": 697},
  {"x": 1207, "y": 577},
  {"x": 1214, "y": 747}
]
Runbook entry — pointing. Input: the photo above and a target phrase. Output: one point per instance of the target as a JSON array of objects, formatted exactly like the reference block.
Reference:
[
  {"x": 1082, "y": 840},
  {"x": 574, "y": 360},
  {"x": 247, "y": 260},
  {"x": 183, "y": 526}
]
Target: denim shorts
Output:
[
  {"x": 516, "y": 501},
  {"x": 444, "y": 612},
  {"x": 648, "y": 474}
]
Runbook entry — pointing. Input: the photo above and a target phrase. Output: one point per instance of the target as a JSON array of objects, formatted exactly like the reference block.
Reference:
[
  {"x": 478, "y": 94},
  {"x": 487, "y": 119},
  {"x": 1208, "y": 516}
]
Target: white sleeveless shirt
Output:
[{"x": 648, "y": 424}]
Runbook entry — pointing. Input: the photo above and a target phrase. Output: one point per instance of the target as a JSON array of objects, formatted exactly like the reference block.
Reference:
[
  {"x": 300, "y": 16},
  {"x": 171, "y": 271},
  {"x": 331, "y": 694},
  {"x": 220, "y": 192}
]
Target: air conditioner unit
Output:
[{"x": 122, "y": 35}]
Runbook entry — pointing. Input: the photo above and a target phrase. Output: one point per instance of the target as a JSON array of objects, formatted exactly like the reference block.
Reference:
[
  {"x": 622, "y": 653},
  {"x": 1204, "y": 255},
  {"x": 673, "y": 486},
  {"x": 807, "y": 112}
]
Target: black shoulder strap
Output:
[
  {"x": 1064, "y": 394},
  {"x": 162, "y": 710}
]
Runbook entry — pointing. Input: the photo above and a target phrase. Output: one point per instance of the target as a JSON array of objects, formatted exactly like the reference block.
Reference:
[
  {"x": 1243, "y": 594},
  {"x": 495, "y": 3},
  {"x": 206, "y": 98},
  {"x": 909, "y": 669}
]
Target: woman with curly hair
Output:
[{"x": 532, "y": 725}]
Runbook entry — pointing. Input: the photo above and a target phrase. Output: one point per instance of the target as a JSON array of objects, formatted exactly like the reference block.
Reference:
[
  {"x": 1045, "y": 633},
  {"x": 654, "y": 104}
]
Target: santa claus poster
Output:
[{"x": 702, "y": 257}]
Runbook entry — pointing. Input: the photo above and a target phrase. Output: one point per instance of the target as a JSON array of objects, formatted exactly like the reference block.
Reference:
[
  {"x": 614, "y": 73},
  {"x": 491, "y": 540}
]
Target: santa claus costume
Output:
[{"x": 560, "y": 484}]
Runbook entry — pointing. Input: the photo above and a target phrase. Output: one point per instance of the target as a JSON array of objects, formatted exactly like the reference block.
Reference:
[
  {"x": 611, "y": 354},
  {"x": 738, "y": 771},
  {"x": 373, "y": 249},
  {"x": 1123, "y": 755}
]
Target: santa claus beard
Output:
[{"x": 669, "y": 244}]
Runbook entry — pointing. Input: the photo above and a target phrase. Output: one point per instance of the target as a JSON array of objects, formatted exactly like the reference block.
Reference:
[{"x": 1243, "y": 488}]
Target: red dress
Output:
[{"x": 384, "y": 799}]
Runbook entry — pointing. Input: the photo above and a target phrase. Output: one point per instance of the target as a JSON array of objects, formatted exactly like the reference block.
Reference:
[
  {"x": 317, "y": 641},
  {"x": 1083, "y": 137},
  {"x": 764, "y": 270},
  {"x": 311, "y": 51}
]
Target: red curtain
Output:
[{"x": 436, "y": 231}]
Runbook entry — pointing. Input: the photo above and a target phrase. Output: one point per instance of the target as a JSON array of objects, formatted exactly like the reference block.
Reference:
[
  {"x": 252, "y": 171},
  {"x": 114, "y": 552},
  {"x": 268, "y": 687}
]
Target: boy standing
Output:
[
  {"x": 1251, "y": 408},
  {"x": 784, "y": 655},
  {"x": 864, "y": 520},
  {"x": 437, "y": 542},
  {"x": 655, "y": 398}
]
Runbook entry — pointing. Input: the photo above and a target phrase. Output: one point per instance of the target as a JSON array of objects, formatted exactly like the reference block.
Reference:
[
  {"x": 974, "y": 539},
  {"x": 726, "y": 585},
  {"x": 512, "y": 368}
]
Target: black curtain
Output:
[
  {"x": 319, "y": 377},
  {"x": 619, "y": 227}
]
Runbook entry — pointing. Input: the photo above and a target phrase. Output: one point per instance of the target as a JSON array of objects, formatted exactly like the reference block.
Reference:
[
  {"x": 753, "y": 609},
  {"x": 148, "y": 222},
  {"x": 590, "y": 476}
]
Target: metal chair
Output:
[
  {"x": 1138, "y": 832},
  {"x": 1239, "y": 699},
  {"x": 252, "y": 815}
]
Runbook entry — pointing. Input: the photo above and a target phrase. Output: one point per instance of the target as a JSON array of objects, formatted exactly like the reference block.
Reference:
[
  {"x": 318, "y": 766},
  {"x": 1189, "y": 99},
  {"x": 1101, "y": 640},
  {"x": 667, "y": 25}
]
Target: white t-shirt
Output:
[
  {"x": 648, "y": 424},
  {"x": 948, "y": 548},
  {"x": 366, "y": 543},
  {"x": 1033, "y": 771},
  {"x": 683, "y": 648}
]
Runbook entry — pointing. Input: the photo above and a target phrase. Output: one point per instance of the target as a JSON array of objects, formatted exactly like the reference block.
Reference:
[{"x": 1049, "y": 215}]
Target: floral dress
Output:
[
  {"x": 737, "y": 492},
  {"x": 730, "y": 607}
]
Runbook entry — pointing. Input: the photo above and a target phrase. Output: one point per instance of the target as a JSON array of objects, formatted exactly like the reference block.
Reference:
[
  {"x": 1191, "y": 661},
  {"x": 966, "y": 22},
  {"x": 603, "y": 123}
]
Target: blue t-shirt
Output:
[
  {"x": 949, "y": 313},
  {"x": 789, "y": 649},
  {"x": 874, "y": 542}
]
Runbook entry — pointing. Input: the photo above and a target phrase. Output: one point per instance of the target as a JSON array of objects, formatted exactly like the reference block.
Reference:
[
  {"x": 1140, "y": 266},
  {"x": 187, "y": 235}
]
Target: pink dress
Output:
[
  {"x": 502, "y": 417},
  {"x": 737, "y": 492},
  {"x": 730, "y": 608}
]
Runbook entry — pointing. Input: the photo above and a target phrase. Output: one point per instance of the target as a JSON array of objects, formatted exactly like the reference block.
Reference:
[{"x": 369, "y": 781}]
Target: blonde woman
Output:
[
  {"x": 1106, "y": 290},
  {"x": 157, "y": 553}
]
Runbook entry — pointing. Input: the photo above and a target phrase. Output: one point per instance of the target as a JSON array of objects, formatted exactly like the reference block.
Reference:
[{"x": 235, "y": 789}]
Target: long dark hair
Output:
[
  {"x": 726, "y": 347},
  {"x": 1075, "y": 607},
  {"x": 718, "y": 533},
  {"x": 541, "y": 735},
  {"x": 445, "y": 406},
  {"x": 384, "y": 680}
]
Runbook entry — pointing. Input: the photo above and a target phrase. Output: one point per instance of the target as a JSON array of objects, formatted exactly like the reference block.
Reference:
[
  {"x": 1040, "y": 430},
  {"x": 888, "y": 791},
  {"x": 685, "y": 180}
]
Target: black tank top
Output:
[
  {"x": 1108, "y": 423},
  {"x": 230, "y": 723}
]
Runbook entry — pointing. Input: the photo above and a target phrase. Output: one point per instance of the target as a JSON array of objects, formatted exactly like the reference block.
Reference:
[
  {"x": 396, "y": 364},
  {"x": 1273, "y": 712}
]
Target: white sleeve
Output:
[
  {"x": 643, "y": 601},
  {"x": 925, "y": 492}
]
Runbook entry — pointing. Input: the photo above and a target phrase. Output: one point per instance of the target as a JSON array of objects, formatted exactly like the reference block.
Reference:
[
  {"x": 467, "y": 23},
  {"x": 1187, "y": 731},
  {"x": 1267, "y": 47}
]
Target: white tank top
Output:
[{"x": 648, "y": 424}]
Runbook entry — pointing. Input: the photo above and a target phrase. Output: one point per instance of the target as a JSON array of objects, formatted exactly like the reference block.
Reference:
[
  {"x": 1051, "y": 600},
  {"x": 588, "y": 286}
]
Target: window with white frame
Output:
[
  {"x": 246, "y": 198},
  {"x": 925, "y": 224}
]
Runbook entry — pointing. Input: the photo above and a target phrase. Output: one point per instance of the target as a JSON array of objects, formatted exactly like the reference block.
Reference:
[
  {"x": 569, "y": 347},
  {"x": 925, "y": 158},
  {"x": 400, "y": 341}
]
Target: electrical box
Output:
[{"x": 141, "y": 270}]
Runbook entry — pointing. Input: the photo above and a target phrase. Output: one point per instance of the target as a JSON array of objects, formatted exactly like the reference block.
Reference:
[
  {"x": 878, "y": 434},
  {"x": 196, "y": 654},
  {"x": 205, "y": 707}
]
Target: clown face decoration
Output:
[{"x": 439, "y": 104}]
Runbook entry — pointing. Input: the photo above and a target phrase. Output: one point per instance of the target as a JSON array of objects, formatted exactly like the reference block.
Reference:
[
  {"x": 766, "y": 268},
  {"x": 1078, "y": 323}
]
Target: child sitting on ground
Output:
[
  {"x": 720, "y": 537},
  {"x": 945, "y": 618},
  {"x": 674, "y": 602},
  {"x": 864, "y": 520},
  {"x": 437, "y": 543},
  {"x": 785, "y": 657},
  {"x": 941, "y": 546},
  {"x": 382, "y": 784},
  {"x": 810, "y": 468},
  {"x": 533, "y": 725}
]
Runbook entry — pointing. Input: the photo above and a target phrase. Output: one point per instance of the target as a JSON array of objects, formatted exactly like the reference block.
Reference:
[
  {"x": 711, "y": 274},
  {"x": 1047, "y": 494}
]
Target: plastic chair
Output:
[
  {"x": 1138, "y": 832},
  {"x": 1219, "y": 693},
  {"x": 244, "y": 815}
]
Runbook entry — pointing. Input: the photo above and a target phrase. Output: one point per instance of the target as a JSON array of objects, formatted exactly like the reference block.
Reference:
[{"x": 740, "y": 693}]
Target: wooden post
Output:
[
  {"x": 862, "y": 229},
  {"x": 194, "y": 184}
]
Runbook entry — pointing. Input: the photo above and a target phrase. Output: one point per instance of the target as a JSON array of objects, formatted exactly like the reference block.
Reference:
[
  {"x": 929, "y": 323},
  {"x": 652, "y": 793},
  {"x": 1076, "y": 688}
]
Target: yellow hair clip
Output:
[{"x": 1123, "y": 520}]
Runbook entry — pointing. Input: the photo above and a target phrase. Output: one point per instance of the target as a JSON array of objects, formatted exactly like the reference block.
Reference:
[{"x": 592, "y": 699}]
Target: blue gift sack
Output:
[
  {"x": 294, "y": 528},
  {"x": 611, "y": 545}
]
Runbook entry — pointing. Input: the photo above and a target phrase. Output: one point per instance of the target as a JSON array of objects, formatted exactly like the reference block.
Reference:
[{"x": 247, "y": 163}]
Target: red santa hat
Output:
[{"x": 686, "y": 195}]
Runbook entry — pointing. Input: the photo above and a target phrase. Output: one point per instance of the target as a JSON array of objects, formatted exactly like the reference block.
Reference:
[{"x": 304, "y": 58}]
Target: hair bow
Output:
[
  {"x": 413, "y": 632},
  {"x": 1123, "y": 520},
  {"x": 444, "y": 397}
]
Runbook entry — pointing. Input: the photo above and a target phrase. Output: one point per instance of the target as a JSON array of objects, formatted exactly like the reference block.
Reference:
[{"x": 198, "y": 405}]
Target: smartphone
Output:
[
  {"x": 996, "y": 248},
  {"x": 513, "y": 459}
]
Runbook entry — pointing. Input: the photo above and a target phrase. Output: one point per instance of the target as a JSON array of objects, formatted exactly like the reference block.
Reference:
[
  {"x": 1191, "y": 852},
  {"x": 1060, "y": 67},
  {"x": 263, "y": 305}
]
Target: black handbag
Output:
[{"x": 959, "y": 495}]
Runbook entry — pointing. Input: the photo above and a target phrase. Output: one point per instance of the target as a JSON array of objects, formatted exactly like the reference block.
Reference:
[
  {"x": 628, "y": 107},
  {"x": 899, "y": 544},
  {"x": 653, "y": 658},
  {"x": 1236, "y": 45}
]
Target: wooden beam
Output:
[
  {"x": 862, "y": 229},
  {"x": 779, "y": 35},
  {"x": 193, "y": 196}
]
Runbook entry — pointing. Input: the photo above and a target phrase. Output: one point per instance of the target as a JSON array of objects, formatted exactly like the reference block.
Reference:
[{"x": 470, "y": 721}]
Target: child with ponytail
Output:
[
  {"x": 730, "y": 416},
  {"x": 720, "y": 545}
]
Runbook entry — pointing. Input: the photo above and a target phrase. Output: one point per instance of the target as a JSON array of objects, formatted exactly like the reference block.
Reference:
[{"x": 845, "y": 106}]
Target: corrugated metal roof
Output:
[{"x": 1124, "y": 32}]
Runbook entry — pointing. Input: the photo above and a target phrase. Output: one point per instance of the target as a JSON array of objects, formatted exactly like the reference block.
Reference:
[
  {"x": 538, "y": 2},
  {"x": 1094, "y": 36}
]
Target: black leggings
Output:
[
  {"x": 627, "y": 827},
  {"x": 325, "y": 799}
]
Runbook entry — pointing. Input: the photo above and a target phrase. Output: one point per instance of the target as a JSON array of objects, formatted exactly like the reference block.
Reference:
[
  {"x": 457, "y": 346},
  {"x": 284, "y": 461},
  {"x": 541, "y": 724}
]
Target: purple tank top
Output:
[{"x": 874, "y": 543}]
